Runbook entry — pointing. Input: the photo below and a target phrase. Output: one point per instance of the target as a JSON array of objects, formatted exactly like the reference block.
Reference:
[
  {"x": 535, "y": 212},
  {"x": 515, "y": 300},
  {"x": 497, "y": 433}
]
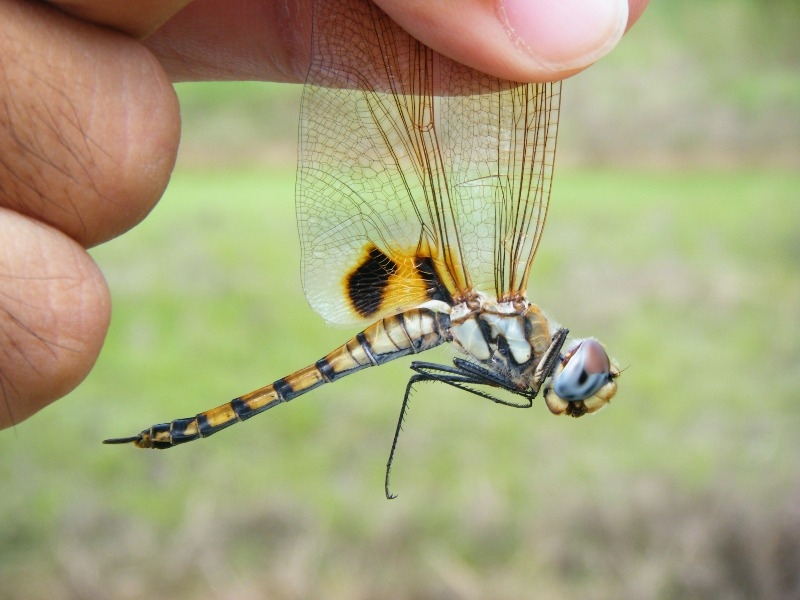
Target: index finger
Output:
[
  {"x": 137, "y": 19},
  {"x": 527, "y": 40}
]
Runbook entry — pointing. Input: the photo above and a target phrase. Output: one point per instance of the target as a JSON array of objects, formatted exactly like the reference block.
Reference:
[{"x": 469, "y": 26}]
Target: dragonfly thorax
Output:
[{"x": 506, "y": 336}]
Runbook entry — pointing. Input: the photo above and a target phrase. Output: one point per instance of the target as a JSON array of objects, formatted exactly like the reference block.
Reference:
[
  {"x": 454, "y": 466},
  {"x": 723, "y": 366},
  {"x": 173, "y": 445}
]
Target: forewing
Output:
[{"x": 418, "y": 178}]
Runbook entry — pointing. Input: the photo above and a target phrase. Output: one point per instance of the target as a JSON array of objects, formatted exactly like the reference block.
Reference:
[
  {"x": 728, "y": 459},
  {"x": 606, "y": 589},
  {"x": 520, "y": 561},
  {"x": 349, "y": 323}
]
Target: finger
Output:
[
  {"x": 54, "y": 313},
  {"x": 89, "y": 123},
  {"x": 267, "y": 40},
  {"x": 134, "y": 18},
  {"x": 525, "y": 40},
  {"x": 521, "y": 40},
  {"x": 635, "y": 10}
]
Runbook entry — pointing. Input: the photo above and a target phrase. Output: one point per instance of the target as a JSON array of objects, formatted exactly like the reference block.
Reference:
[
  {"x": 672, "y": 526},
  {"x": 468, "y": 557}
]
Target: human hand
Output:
[{"x": 89, "y": 130}]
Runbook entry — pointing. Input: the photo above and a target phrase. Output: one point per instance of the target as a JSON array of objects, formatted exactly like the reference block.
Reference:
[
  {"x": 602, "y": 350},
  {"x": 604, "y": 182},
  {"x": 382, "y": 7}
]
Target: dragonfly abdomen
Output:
[
  {"x": 413, "y": 331},
  {"x": 398, "y": 335}
]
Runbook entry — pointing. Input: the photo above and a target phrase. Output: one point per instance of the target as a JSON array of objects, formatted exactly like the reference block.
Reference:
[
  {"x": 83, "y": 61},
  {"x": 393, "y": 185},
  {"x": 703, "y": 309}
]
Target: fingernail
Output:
[{"x": 565, "y": 34}]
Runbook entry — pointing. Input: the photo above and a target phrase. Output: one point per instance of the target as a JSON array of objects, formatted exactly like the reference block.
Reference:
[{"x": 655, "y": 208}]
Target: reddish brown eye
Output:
[{"x": 588, "y": 369}]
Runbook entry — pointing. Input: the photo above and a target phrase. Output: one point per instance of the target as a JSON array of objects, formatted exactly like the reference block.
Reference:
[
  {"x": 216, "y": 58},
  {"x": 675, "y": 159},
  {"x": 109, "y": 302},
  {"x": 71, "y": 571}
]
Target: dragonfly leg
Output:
[
  {"x": 465, "y": 374},
  {"x": 462, "y": 375},
  {"x": 403, "y": 409},
  {"x": 551, "y": 357}
]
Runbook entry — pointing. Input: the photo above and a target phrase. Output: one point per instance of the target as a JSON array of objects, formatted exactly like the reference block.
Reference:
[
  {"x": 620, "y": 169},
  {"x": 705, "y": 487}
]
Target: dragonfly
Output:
[{"x": 422, "y": 193}]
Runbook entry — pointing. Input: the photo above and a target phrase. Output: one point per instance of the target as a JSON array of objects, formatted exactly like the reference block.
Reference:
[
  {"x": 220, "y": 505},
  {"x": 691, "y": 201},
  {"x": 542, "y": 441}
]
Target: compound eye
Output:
[{"x": 586, "y": 369}]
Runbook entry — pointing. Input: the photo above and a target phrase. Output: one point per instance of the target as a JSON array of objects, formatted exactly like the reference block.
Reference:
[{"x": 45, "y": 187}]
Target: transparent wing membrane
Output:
[{"x": 408, "y": 153}]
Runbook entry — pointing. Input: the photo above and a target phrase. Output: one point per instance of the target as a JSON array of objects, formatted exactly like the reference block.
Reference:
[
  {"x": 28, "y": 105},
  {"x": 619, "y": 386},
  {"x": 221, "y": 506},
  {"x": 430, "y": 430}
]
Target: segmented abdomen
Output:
[{"x": 398, "y": 335}]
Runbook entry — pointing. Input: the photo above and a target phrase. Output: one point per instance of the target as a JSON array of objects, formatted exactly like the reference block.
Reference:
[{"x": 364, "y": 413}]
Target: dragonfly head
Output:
[{"x": 584, "y": 381}]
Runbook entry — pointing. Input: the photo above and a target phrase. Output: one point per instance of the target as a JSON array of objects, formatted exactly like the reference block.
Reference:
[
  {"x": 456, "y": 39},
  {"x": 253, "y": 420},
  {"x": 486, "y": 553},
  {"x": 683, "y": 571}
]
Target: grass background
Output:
[{"x": 672, "y": 237}]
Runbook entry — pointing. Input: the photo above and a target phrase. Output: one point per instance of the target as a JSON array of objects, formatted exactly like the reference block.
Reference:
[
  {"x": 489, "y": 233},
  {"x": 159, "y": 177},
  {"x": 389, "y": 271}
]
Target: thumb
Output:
[{"x": 522, "y": 40}]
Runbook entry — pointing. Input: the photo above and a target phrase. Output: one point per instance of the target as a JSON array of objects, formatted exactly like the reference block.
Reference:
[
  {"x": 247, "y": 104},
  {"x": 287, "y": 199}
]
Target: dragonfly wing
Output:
[
  {"x": 411, "y": 170},
  {"x": 500, "y": 171}
]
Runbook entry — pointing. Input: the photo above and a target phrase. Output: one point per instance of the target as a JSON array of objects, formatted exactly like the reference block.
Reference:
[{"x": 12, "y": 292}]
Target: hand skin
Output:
[{"x": 90, "y": 125}]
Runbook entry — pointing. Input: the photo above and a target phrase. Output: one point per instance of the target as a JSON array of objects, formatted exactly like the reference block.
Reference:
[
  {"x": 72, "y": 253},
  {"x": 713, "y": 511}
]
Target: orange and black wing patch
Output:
[{"x": 384, "y": 282}]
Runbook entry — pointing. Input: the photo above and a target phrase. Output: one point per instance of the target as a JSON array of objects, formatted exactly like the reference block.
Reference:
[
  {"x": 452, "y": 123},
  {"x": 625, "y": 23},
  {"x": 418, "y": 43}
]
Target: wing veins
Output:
[{"x": 462, "y": 178}]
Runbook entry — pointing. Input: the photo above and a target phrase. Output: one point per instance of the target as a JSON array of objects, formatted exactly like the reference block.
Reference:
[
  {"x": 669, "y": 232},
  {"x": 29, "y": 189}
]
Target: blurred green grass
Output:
[{"x": 684, "y": 487}]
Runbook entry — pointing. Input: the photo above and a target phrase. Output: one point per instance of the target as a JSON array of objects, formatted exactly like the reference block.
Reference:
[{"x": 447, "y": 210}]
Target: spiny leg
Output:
[
  {"x": 403, "y": 408},
  {"x": 551, "y": 357},
  {"x": 459, "y": 377},
  {"x": 465, "y": 373}
]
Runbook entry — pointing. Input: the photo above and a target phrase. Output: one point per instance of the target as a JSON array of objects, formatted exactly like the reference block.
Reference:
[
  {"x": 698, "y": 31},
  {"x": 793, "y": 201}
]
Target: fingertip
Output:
[
  {"x": 564, "y": 35},
  {"x": 635, "y": 10},
  {"x": 92, "y": 128},
  {"x": 520, "y": 40},
  {"x": 54, "y": 314}
]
